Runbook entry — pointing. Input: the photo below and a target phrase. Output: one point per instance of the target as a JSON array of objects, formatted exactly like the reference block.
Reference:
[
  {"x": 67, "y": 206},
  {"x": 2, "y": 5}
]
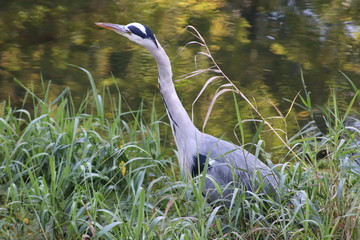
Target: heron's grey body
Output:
[
  {"x": 351, "y": 160},
  {"x": 228, "y": 164}
]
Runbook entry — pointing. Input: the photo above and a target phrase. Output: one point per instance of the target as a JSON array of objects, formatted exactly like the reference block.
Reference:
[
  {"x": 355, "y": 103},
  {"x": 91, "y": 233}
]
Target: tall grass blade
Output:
[{"x": 97, "y": 97}]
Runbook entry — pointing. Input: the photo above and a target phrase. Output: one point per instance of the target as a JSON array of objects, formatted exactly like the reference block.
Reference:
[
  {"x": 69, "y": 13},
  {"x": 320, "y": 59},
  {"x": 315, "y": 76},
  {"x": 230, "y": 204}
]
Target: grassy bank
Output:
[{"x": 88, "y": 172}]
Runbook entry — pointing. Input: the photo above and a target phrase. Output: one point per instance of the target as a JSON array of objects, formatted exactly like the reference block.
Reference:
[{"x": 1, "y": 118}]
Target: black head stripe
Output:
[
  {"x": 137, "y": 31},
  {"x": 150, "y": 35},
  {"x": 141, "y": 34}
]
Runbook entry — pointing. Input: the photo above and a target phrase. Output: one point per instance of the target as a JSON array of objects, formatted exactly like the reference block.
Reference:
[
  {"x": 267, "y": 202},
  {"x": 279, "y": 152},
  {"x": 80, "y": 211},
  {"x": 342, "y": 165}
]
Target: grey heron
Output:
[{"x": 226, "y": 163}]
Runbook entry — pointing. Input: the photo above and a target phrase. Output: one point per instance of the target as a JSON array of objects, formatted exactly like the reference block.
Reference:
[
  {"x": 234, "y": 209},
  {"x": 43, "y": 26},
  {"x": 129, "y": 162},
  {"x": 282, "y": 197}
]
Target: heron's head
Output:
[{"x": 136, "y": 32}]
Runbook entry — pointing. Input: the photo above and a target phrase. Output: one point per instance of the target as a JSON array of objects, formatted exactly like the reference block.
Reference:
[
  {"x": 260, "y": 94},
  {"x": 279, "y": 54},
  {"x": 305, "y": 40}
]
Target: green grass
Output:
[{"x": 88, "y": 172}]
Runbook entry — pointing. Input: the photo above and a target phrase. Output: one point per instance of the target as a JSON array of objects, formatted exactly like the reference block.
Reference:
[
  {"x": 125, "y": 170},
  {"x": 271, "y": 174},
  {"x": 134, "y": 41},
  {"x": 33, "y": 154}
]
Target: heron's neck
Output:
[{"x": 181, "y": 123}]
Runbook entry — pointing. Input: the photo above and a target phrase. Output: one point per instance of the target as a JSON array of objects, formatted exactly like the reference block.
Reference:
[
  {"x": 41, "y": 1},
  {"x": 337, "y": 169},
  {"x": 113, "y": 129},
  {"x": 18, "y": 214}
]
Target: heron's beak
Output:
[{"x": 115, "y": 27}]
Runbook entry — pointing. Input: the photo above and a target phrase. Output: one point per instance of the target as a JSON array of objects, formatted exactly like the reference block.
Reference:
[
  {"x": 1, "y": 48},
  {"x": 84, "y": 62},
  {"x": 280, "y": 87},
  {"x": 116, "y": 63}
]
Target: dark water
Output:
[{"x": 262, "y": 46}]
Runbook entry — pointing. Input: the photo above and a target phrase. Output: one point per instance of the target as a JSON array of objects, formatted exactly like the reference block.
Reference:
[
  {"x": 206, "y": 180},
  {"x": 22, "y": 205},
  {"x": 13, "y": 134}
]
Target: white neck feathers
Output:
[{"x": 183, "y": 128}]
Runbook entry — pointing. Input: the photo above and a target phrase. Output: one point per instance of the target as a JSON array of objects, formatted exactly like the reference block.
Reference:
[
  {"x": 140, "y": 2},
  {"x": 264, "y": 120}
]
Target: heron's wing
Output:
[{"x": 230, "y": 163}]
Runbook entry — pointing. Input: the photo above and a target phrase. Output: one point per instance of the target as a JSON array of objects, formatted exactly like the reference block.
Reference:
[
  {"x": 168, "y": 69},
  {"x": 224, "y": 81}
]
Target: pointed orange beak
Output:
[{"x": 115, "y": 27}]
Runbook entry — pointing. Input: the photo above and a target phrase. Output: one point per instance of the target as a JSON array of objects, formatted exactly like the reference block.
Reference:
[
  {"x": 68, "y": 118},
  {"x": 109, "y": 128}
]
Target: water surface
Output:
[{"x": 262, "y": 46}]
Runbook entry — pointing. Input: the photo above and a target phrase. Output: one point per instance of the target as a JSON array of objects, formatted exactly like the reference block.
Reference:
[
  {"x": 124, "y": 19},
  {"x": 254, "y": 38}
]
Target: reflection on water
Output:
[{"x": 261, "y": 45}]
